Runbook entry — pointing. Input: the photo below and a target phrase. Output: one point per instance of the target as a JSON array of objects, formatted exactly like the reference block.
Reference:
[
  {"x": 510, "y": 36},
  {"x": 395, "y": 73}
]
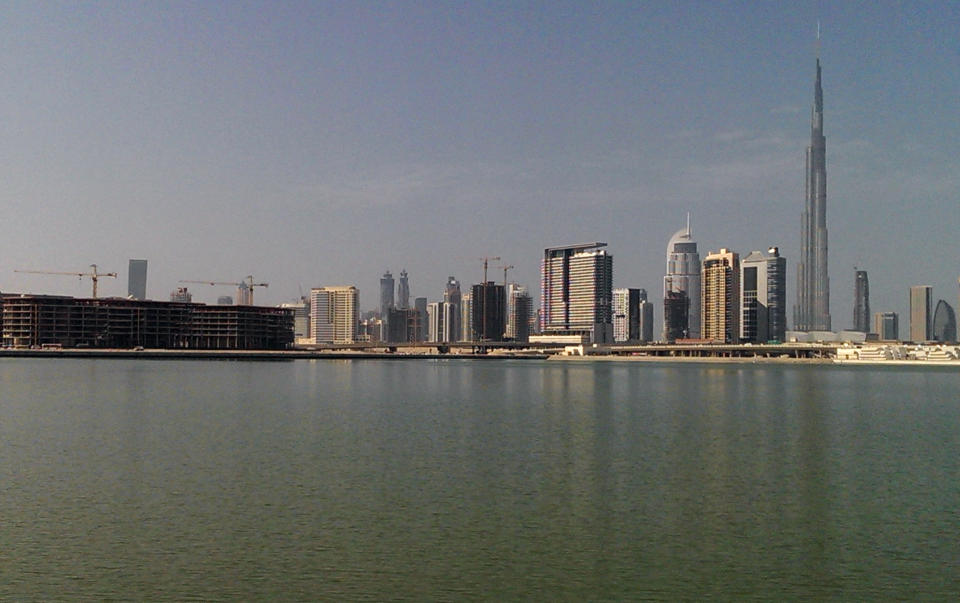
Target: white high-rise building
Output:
[
  {"x": 625, "y": 314},
  {"x": 442, "y": 320},
  {"x": 576, "y": 292},
  {"x": 682, "y": 278},
  {"x": 334, "y": 314},
  {"x": 466, "y": 317}
]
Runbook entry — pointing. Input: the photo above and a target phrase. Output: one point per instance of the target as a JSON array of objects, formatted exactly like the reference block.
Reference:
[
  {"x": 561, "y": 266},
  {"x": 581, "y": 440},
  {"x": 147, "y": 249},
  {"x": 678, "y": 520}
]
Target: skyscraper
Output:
[
  {"x": 646, "y": 317},
  {"x": 403, "y": 291},
  {"x": 334, "y": 314},
  {"x": 626, "y": 315},
  {"x": 944, "y": 323},
  {"x": 887, "y": 325},
  {"x": 576, "y": 292},
  {"x": 720, "y": 297},
  {"x": 441, "y": 318},
  {"x": 921, "y": 313},
  {"x": 488, "y": 306},
  {"x": 519, "y": 310},
  {"x": 466, "y": 317},
  {"x": 137, "y": 279},
  {"x": 386, "y": 294},
  {"x": 420, "y": 304},
  {"x": 812, "y": 312},
  {"x": 682, "y": 276},
  {"x": 861, "y": 302},
  {"x": 676, "y": 309},
  {"x": 763, "y": 296},
  {"x": 452, "y": 295}
]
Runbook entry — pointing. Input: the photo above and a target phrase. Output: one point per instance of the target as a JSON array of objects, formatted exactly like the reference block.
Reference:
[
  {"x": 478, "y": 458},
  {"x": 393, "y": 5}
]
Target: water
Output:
[{"x": 453, "y": 480}]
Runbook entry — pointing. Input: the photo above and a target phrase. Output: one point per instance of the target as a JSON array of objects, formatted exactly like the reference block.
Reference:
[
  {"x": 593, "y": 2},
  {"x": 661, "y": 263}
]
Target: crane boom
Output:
[
  {"x": 485, "y": 261},
  {"x": 246, "y": 285},
  {"x": 94, "y": 275}
]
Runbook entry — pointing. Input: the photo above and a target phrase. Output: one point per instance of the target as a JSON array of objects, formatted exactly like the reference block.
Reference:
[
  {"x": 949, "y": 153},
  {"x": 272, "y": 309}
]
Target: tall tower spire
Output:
[{"x": 812, "y": 312}]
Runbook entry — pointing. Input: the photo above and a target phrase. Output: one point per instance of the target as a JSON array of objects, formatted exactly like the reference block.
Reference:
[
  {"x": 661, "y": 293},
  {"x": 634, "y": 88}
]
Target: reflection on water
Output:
[{"x": 456, "y": 479}]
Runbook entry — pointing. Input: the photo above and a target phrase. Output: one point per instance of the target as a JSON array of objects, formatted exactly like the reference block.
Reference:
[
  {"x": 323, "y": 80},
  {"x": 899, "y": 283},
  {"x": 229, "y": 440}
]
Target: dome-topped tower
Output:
[{"x": 681, "y": 287}]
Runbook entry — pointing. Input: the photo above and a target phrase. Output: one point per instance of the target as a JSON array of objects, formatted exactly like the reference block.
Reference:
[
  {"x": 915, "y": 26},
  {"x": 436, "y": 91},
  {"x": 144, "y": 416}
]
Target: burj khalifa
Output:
[{"x": 812, "y": 312}]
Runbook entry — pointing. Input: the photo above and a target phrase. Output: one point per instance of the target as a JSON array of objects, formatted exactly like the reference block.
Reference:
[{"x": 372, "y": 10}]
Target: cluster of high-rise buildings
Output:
[{"x": 722, "y": 297}]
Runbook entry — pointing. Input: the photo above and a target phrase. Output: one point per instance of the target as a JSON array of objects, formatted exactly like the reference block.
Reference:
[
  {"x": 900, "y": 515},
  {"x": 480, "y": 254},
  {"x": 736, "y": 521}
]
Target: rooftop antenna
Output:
[{"x": 688, "y": 224}]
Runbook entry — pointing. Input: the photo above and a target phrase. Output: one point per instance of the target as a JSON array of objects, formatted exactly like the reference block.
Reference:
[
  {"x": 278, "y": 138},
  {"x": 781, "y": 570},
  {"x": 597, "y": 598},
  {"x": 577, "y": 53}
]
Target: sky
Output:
[{"x": 321, "y": 143}]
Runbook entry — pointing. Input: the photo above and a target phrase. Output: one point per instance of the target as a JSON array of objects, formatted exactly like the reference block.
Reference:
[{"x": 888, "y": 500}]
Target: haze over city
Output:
[{"x": 316, "y": 144}]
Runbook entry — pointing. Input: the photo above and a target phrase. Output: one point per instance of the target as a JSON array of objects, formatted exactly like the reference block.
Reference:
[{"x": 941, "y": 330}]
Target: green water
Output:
[{"x": 459, "y": 480}]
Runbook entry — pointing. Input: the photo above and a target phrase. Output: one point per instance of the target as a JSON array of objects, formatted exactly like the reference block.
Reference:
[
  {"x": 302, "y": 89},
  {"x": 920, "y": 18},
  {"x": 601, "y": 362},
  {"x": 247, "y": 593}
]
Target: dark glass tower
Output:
[
  {"x": 812, "y": 312},
  {"x": 403, "y": 291},
  {"x": 861, "y": 302}
]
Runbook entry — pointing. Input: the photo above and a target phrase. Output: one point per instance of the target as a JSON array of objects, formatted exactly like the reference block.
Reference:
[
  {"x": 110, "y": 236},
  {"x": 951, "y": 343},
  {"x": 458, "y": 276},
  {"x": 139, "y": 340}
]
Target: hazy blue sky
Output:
[{"x": 320, "y": 143}]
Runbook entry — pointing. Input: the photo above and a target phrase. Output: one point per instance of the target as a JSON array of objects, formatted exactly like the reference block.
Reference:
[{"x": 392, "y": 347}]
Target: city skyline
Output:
[{"x": 219, "y": 141}]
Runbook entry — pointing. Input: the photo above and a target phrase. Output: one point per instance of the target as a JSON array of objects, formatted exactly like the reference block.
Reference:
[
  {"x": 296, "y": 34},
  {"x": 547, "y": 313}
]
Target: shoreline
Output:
[{"x": 291, "y": 355}]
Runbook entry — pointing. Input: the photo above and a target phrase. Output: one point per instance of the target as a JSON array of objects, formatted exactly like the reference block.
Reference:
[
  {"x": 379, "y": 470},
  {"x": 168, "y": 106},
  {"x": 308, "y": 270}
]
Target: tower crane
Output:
[
  {"x": 246, "y": 285},
  {"x": 94, "y": 275},
  {"x": 485, "y": 261},
  {"x": 505, "y": 268}
]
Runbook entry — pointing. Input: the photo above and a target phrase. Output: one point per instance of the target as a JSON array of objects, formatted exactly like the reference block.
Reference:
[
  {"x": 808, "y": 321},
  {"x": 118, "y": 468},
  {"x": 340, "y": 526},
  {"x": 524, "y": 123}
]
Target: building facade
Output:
[
  {"x": 626, "y": 315},
  {"x": 489, "y": 322},
  {"x": 921, "y": 313},
  {"x": 519, "y": 313},
  {"x": 763, "y": 297},
  {"x": 720, "y": 297},
  {"x": 137, "y": 279},
  {"x": 420, "y": 305},
  {"x": 334, "y": 314},
  {"x": 887, "y": 326},
  {"x": 452, "y": 295},
  {"x": 682, "y": 276},
  {"x": 38, "y": 320},
  {"x": 442, "y": 318},
  {"x": 466, "y": 316},
  {"x": 646, "y": 318},
  {"x": 301, "y": 319},
  {"x": 861, "y": 302},
  {"x": 812, "y": 312},
  {"x": 944, "y": 323},
  {"x": 676, "y": 309},
  {"x": 181, "y": 294},
  {"x": 386, "y": 294},
  {"x": 403, "y": 291},
  {"x": 577, "y": 292}
]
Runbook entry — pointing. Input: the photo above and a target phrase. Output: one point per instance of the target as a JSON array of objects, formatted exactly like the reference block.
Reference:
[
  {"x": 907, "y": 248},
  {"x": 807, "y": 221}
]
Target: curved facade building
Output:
[
  {"x": 944, "y": 323},
  {"x": 683, "y": 276}
]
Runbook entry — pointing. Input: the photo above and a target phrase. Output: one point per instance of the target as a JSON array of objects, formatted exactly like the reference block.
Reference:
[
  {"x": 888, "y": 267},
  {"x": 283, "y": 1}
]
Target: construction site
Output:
[{"x": 49, "y": 321}]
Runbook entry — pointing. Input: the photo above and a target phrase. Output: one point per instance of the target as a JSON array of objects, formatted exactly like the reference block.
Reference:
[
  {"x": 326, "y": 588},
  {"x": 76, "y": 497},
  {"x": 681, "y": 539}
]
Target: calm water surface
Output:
[{"x": 453, "y": 480}]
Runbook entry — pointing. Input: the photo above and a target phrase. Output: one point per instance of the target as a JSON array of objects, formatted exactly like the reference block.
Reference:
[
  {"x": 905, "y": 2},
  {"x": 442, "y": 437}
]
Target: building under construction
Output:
[{"x": 47, "y": 320}]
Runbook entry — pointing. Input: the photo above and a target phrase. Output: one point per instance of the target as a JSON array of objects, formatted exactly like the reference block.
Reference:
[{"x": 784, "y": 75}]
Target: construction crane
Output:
[
  {"x": 245, "y": 287},
  {"x": 94, "y": 275},
  {"x": 505, "y": 268},
  {"x": 485, "y": 261}
]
